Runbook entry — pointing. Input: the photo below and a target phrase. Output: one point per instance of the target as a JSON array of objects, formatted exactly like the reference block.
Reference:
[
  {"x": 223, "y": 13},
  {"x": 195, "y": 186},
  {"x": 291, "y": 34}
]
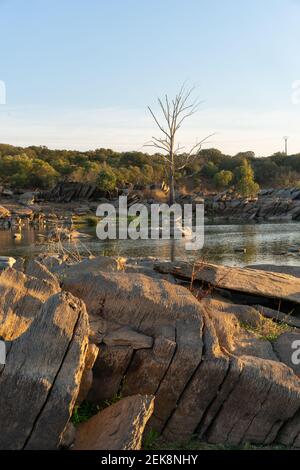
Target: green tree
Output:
[
  {"x": 223, "y": 178},
  {"x": 107, "y": 179},
  {"x": 209, "y": 169},
  {"x": 246, "y": 185}
]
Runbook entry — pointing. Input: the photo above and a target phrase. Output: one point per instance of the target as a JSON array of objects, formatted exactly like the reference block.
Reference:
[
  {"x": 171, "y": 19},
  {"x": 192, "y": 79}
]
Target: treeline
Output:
[{"x": 40, "y": 167}]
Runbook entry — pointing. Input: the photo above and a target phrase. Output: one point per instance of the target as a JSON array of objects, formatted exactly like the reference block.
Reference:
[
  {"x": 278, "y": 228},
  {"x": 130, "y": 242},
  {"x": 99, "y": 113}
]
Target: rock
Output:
[
  {"x": 108, "y": 373},
  {"x": 283, "y": 346},
  {"x": 118, "y": 427},
  {"x": 52, "y": 262},
  {"x": 22, "y": 213},
  {"x": 4, "y": 213},
  {"x": 6, "y": 262},
  {"x": 236, "y": 394},
  {"x": 278, "y": 316},
  {"x": 252, "y": 281},
  {"x": 19, "y": 264},
  {"x": 127, "y": 337},
  {"x": 293, "y": 249},
  {"x": 154, "y": 308},
  {"x": 85, "y": 385},
  {"x": 27, "y": 198},
  {"x": 87, "y": 376},
  {"x": 69, "y": 191},
  {"x": 210, "y": 376},
  {"x": 228, "y": 321},
  {"x": 21, "y": 298},
  {"x": 90, "y": 267},
  {"x": 7, "y": 193},
  {"x": 41, "y": 378},
  {"x": 91, "y": 356},
  {"x": 68, "y": 436},
  {"x": 36, "y": 269},
  {"x": 283, "y": 269}
]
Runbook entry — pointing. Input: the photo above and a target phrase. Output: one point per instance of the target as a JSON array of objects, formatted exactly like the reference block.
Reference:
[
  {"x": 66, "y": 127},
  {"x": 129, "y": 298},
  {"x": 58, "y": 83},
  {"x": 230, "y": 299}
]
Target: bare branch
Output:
[{"x": 174, "y": 113}]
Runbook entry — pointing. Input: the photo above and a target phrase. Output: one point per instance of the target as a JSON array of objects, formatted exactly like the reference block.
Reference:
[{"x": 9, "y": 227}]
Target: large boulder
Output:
[
  {"x": 118, "y": 427},
  {"x": 46, "y": 334},
  {"x": 154, "y": 308},
  {"x": 210, "y": 375}
]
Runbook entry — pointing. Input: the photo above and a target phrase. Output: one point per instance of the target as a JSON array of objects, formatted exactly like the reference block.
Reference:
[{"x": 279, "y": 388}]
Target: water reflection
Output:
[{"x": 262, "y": 243}]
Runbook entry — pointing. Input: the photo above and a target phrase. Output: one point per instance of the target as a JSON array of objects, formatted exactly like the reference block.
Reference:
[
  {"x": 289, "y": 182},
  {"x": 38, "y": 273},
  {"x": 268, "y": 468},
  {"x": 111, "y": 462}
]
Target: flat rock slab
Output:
[
  {"x": 127, "y": 337},
  {"x": 274, "y": 268},
  {"x": 118, "y": 427},
  {"x": 251, "y": 281}
]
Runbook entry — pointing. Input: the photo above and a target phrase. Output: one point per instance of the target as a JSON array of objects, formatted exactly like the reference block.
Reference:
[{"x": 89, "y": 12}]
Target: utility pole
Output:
[{"x": 286, "y": 144}]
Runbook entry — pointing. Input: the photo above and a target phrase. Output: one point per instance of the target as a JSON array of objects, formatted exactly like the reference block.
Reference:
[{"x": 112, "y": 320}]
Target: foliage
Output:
[
  {"x": 266, "y": 328},
  {"x": 223, "y": 178},
  {"x": 107, "y": 180},
  {"x": 40, "y": 167},
  {"x": 86, "y": 409},
  {"x": 246, "y": 185},
  {"x": 84, "y": 412}
]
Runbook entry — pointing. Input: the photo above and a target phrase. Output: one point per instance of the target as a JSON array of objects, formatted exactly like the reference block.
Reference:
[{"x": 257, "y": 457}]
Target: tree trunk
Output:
[{"x": 172, "y": 197}]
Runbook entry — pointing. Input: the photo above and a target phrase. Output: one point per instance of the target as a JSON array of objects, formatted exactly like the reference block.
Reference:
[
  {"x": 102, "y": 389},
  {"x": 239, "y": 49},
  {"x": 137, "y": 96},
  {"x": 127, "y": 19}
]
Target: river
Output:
[{"x": 262, "y": 243}]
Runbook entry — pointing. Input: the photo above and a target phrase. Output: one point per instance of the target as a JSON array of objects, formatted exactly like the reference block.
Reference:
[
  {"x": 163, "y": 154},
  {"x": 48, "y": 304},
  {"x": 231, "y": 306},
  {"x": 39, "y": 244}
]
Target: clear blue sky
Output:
[{"x": 80, "y": 73}]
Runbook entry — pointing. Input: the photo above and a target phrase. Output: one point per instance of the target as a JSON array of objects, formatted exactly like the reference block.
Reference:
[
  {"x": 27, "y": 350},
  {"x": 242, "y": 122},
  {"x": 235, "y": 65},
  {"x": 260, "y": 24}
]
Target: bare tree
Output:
[{"x": 174, "y": 112}]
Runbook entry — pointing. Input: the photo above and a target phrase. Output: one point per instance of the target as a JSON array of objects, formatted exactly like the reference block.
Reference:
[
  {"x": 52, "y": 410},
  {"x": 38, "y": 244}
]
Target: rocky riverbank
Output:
[
  {"x": 70, "y": 202},
  {"x": 270, "y": 205},
  {"x": 185, "y": 350}
]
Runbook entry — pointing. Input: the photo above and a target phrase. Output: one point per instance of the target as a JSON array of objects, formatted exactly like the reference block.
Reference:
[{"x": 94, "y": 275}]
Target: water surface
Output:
[{"x": 263, "y": 243}]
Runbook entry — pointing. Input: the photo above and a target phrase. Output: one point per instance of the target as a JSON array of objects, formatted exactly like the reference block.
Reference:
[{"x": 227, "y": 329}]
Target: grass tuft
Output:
[
  {"x": 266, "y": 328},
  {"x": 83, "y": 412}
]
